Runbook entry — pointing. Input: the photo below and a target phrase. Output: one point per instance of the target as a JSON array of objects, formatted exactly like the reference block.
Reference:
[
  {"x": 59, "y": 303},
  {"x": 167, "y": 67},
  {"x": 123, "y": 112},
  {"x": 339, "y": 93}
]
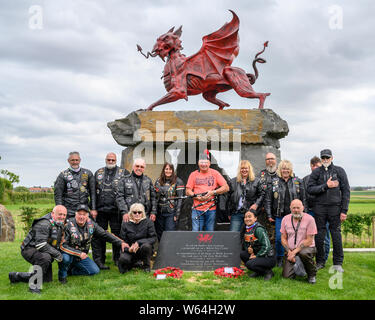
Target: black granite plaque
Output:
[{"x": 198, "y": 251}]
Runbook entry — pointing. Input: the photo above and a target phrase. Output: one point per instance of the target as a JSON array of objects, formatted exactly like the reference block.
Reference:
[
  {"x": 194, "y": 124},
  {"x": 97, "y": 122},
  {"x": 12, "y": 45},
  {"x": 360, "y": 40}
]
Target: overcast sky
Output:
[{"x": 69, "y": 67}]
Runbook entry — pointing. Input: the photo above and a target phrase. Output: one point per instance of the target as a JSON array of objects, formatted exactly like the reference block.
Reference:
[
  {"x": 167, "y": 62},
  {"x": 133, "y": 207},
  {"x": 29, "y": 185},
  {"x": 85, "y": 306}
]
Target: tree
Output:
[{"x": 12, "y": 177}]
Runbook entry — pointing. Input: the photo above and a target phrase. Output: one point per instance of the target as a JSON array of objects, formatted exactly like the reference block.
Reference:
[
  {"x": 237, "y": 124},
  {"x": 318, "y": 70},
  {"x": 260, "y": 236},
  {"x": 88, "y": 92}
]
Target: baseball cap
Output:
[
  {"x": 326, "y": 153},
  {"x": 83, "y": 207}
]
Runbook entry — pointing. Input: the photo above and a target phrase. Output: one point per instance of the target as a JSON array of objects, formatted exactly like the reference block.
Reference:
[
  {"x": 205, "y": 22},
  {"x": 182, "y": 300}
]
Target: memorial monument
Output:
[{"x": 242, "y": 134}]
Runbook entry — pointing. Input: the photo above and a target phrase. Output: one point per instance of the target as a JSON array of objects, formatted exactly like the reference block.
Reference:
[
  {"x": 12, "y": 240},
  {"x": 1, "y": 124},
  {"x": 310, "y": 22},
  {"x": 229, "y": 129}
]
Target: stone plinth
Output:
[
  {"x": 7, "y": 228},
  {"x": 149, "y": 134}
]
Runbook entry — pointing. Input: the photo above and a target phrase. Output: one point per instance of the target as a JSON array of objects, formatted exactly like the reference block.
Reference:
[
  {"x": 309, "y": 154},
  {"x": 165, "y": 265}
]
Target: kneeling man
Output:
[
  {"x": 41, "y": 246},
  {"x": 79, "y": 232},
  {"x": 297, "y": 237}
]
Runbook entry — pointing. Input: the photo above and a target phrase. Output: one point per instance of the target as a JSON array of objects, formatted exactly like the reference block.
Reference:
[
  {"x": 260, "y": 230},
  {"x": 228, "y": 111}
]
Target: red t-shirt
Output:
[{"x": 200, "y": 182}]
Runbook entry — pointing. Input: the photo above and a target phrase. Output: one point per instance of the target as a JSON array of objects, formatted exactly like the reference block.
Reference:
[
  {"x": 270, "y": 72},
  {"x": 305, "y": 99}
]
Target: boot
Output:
[
  {"x": 268, "y": 275},
  {"x": 15, "y": 277}
]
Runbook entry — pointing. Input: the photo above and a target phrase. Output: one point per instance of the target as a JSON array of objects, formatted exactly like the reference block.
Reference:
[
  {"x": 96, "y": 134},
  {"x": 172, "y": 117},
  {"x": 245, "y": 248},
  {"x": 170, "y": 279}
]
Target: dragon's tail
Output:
[{"x": 253, "y": 77}]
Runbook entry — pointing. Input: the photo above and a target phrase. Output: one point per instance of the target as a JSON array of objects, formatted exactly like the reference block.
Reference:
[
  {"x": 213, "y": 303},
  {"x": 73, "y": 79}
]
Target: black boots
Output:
[{"x": 15, "y": 277}]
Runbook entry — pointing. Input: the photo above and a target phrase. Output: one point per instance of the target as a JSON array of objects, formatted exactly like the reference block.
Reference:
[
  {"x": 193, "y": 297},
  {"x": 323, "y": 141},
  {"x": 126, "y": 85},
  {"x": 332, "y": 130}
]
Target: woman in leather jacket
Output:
[
  {"x": 278, "y": 198},
  {"x": 245, "y": 192},
  {"x": 168, "y": 211}
]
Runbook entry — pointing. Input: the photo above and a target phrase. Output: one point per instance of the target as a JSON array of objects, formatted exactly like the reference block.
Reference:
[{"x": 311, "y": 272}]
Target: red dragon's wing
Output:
[{"x": 218, "y": 50}]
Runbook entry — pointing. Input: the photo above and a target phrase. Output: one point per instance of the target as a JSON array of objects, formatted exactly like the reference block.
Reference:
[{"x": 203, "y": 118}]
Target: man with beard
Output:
[
  {"x": 41, "y": 247},
  {"x": 297, "y": 237},
  {"x": 106, "y": 182},
  {"x": 136, "y": 188},
  {"x": 315, "y": 162},
  {"x": 330, "y": 185},
  {"x": 268, "y": 178},
  {"x": 75, "y": 186}
]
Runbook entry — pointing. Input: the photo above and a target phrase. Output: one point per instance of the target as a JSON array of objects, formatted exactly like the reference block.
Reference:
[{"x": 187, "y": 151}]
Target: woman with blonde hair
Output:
[
  {"x": 139, "y": 236},
  {"x": 278, "y": 198},
  {"x": 246, "y": 193}
]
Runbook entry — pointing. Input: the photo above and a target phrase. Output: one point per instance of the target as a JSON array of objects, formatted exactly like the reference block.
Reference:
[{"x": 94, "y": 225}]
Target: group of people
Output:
[{"x": 282, "y": 220}]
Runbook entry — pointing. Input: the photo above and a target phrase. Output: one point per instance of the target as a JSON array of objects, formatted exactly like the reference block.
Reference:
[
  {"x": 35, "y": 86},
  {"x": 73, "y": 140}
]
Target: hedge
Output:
[{"x": 11, "y": 197}]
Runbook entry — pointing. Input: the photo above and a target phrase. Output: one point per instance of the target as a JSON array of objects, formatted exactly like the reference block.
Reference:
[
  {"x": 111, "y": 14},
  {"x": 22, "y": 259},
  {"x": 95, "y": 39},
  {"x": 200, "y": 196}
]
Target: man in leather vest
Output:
[
  {"x": 78, "y": 235},
  {"x": 330, "y": 185},
  {"x": 136, "y": 188},
  {"x": 75, "y": 186},
  {"x": 41, "y": 246},
  {"x": 106, "y": 182},
  {"x": 267, "y": 176}
]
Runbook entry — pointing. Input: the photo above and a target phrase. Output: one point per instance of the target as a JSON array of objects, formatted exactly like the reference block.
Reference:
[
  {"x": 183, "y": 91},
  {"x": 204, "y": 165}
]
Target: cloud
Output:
[{"x": 59, "y": 86}]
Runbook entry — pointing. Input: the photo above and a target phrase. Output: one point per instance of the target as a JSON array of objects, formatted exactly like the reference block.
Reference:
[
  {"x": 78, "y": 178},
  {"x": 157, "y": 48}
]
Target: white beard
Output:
[
  {"x": 271, "y": 169},
  {"x": 297, "y": 216},
  {"x": 110, "y": 166}
]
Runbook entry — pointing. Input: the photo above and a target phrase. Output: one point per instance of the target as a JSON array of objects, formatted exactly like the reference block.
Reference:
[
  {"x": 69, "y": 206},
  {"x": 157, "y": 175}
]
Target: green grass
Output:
[{"x": 137, "y": 285}]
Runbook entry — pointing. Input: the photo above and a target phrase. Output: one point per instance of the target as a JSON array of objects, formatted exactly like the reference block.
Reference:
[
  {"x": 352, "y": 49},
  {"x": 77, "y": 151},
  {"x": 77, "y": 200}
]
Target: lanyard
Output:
[{"x": 295, "y": 229}]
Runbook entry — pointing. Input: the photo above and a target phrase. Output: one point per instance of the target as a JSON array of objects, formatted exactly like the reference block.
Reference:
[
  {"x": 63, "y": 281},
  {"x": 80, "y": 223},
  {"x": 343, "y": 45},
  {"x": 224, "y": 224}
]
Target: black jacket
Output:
[
  {"x": 275, "y": 196},
  {"x": 142, "y": 232},
  {"x": 254, "y": 192},
  {"x": 310, "y": 198},
  {"x": 129, "y": 192},
  {"x": 166, "y": 191},
  {"x": 45, "y": 235},
  {"x": 106, "y": 182},
  {"x": 75, "y": 188},
  {"x": 338, "y": 196},
  {"x": 78, "y": 239},
  {"x": 257, "y": 239}
]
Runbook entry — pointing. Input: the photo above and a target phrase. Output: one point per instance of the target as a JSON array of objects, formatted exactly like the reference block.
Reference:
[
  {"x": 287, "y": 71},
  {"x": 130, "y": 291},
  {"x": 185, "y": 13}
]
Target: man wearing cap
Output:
[
  {"x": 41, "y": 246},
  {"x": 106, "y": 182},
  {"x": 75, "y": 186},
  {"x": 205, "y": 180},
  {"x": 136, "y": 188},
  {"x": 79, "y": 232},
  {"x": 330, "y": 185}
]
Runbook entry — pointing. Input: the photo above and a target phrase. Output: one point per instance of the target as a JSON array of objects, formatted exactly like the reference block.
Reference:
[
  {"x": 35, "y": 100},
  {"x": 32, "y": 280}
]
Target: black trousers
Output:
[
  {"x": 259, "y": 265},
  {"x": 127, "y": 259},
  {"x": 332, "y": 215},
  {"x": 98, "y": 245},
  {"x": 42, "y": 259}
]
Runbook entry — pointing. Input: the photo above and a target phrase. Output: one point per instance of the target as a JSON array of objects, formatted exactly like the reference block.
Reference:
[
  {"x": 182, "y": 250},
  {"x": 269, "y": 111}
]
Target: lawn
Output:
[{"x": 357, "y": 283}]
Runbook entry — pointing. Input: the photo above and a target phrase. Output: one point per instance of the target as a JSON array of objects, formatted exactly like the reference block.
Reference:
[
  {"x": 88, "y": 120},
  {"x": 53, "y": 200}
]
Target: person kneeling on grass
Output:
[
  {"x": 139, "y": 236},
  {"x": 76, "y": 245},
  {"x": 41, "y": 247},
  {"x": 257, "y": 254},
  {"x": 297, "y": 237}
]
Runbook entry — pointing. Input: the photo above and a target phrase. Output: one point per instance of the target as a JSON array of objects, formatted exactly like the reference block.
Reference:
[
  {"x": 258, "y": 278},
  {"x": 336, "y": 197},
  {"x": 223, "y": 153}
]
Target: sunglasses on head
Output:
[{"x": 137, "y": 212}]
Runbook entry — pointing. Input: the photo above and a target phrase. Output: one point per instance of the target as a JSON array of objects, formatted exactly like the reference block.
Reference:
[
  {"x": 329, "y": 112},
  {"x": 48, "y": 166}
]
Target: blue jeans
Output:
[
  {"x": 236, "y": 221},
  {"x": 278, "y": 245},
  {"x": 85, "y": 267},
  {"x": 206, "y": 221},
  {"x": 327, "y": 239}
]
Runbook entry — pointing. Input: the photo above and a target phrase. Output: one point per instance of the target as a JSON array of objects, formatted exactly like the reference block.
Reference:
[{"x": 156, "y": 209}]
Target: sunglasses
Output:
[
  {"x": 326, "y": 158},
  {"x": 110, "y": 160},
  {"x": 137, "y": 212}
]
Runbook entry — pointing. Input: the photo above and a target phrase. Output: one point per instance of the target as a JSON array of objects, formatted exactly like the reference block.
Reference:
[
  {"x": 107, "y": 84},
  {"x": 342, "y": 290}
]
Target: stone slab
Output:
[{"x": 198, "y": 251}]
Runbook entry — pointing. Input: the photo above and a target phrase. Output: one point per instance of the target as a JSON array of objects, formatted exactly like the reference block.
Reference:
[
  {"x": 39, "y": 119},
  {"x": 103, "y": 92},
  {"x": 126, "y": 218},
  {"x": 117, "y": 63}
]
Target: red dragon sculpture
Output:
[{"x": 209, "y": 71}]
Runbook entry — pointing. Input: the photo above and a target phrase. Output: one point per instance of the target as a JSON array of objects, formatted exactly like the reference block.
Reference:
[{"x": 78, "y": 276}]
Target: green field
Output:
[{"x": 357, "y": 283}]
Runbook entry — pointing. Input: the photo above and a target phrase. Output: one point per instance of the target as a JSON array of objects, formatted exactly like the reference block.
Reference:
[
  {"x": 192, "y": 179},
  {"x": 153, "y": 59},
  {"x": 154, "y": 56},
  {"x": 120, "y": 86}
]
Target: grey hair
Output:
[{"x": 73, "y": 153}]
